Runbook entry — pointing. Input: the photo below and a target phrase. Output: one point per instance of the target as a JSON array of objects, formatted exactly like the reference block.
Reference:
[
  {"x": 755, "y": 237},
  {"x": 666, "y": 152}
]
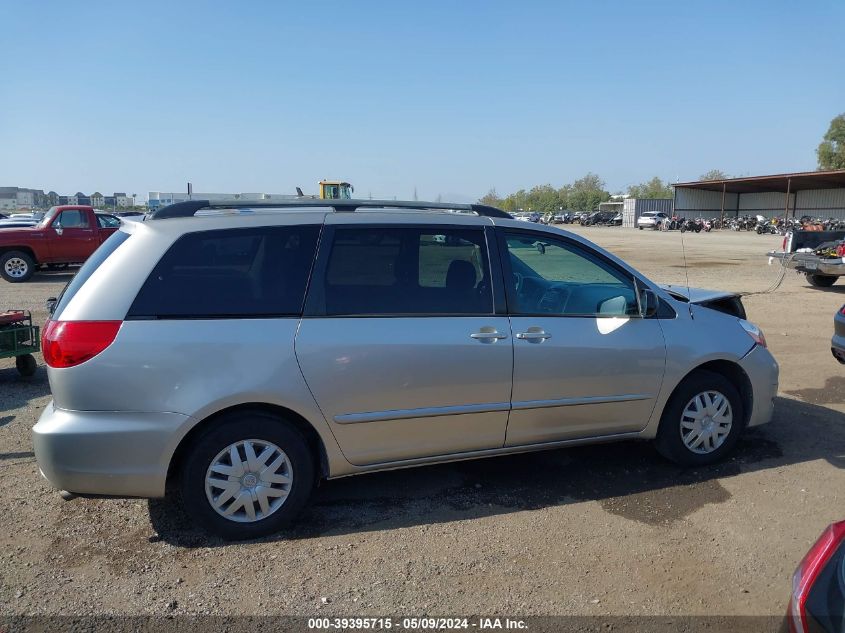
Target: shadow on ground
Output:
[
  {"x": 16, "y": 391},
  {"x": 628, "y": 479},
  {"x": 52, "y": 276}
]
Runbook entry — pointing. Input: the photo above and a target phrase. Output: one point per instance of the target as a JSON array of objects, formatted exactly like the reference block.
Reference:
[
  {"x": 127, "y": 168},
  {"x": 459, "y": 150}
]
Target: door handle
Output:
[
  {"x": 492, "y": 335},
  {"x": 533, "y": 335}
]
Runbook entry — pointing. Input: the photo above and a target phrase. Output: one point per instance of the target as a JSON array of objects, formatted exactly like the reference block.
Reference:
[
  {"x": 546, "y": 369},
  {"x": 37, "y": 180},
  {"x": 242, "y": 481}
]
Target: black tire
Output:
[
  {"x": 20, "y": 263},
  {"x": 640, "y": 228},
  {"x": 683, "y": 229},
  {"x": 26, "y": 365},
  {"x": 228, "y": 430},
  {"x": 669, "y": 442},
  {"x": 698, "y": 229},
  {"x": 821, "y": 281}
]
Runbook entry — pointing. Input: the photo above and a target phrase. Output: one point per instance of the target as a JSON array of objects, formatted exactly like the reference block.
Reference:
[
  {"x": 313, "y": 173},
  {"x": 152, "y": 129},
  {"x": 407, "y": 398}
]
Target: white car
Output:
[{"x": 651, "y": 219}]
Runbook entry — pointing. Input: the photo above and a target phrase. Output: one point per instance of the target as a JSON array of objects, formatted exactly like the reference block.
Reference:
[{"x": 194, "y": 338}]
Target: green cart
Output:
[{"x": 19, "y": 338}]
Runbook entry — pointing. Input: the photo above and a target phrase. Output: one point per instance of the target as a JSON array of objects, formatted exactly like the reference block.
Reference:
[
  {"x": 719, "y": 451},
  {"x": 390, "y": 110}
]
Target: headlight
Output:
[{"x": 754, "y": 332}]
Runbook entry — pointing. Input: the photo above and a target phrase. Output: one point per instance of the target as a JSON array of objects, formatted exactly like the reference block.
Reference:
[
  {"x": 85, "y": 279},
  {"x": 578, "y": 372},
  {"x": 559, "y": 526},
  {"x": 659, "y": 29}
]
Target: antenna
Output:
[{"x": 686, "y": 274}]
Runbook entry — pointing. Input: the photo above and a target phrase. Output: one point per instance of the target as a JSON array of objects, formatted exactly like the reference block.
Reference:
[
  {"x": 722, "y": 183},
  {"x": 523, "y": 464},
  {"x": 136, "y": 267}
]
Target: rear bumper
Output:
[
  {"x": 810, "y": 263},
  {"x": 763, "y": 371},
  {"x": 124, "y": 454}
]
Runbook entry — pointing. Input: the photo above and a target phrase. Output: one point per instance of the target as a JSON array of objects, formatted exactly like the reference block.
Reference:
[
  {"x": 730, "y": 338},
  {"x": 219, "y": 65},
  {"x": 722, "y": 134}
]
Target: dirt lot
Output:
[{"x": 607, "y": 529}]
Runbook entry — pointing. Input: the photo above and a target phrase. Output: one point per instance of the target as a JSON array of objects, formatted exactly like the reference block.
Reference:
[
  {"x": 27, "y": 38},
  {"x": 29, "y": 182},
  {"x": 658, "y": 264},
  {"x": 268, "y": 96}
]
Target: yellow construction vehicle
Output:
[
  {"x": 335, "y": 190},
  {"x": 330, "y": 190}
]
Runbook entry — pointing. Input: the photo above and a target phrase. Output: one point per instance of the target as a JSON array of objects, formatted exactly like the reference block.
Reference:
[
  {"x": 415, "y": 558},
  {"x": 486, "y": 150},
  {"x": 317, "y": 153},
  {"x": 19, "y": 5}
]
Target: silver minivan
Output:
[{"x": 238, "y": 356}]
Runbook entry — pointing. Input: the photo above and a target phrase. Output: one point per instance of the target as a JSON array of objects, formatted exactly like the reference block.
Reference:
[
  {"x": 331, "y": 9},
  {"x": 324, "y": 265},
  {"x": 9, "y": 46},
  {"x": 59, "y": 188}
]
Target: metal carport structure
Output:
[{"x": 820, "y": 194}]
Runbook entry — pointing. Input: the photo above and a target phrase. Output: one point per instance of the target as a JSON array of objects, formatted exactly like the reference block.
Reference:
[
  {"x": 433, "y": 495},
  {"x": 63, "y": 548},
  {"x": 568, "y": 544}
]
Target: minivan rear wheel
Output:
[
  {"x": 702, "y": 420},
  {"x": 247, "y": 477}
]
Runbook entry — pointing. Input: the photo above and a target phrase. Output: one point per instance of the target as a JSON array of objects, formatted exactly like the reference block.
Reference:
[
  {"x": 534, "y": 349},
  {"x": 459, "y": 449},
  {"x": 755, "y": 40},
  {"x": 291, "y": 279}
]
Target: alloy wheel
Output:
[{"x": 16, "y": 267}]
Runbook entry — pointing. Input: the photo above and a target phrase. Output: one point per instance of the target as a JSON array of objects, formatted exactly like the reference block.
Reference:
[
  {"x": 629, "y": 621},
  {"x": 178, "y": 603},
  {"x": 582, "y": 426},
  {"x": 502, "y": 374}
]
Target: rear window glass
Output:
[
  {"x": 230, "y": 274},
  {"x": 91, "y": 264}
]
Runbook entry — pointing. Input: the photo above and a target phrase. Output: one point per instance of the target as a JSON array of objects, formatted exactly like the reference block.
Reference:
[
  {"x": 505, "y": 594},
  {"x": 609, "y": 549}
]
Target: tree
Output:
[
  {"x": 491, "y": 199},
  {"x": 831, "y": 151},
  {"x": 714, "y": 174},
  {"x": 587, "y": 193},
  {"x": 653, "y": 189}
]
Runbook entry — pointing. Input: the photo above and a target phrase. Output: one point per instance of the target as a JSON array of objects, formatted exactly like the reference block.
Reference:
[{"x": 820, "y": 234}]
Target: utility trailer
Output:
[{"x": 19, "y": 338}]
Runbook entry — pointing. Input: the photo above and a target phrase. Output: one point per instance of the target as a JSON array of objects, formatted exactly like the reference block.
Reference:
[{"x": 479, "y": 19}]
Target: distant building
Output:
[
  {"x": 8, "y": 200},
  {"x": 818, "y": 194},
  {"x": 122, "y": 200},
  {"x": 13, "y": 198},
  {"x": 162, "y": 199},
  {"x": 98, "y": 200}
]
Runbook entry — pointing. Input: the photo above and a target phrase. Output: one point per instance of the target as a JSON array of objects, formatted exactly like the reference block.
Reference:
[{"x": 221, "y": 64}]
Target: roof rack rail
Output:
[{"x": 190, "y": 207}]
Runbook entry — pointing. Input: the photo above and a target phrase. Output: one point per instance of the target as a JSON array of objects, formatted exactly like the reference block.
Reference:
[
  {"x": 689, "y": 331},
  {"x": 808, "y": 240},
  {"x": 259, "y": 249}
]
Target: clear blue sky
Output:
[{"x": 450, "y": 97}]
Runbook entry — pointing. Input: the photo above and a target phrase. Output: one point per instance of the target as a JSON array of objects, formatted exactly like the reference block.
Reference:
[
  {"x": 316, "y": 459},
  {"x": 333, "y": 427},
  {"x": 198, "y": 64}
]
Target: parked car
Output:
[
  {"x": 66, "y": 235},
  {"x": 837, "y": 343},
  {"x": 131, "y": 216},
  {"x": 651, "y": 219},
  {"x": 12, "y": 223},
  {"x": 244, "y": 357},
  {"x": 597, "y": 218},
  {"x": 616, "y": 220},
  {"x": 817, "y": 603}
]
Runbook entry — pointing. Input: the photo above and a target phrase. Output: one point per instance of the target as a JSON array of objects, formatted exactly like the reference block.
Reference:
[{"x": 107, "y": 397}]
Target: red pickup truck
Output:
[{"x": 65, "y": 235}]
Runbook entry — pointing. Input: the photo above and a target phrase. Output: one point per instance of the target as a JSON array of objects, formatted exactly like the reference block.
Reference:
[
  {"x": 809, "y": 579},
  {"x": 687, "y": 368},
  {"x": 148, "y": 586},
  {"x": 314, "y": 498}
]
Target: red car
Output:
[
  {"x": 817, "y": 604},
  {"x": 65, "y": 235}
]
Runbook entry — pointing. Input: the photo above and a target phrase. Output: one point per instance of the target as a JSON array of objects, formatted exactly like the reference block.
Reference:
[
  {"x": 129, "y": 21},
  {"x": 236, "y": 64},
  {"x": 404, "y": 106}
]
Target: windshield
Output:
[{"x": 51, "y": 213}]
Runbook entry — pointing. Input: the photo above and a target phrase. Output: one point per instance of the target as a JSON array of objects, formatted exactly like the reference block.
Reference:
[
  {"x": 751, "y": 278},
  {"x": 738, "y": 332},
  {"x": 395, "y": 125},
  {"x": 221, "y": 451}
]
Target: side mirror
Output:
[
  {"x": 649, "y": 302},
  {"x": 58, "y": 228},
  {"x": 51, "y": 305}
]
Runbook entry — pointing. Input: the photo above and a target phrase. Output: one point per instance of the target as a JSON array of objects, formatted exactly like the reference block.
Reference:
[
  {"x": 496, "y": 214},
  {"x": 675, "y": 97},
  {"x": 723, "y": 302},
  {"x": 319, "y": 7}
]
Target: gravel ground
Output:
[{"x": 593, "y": 530}]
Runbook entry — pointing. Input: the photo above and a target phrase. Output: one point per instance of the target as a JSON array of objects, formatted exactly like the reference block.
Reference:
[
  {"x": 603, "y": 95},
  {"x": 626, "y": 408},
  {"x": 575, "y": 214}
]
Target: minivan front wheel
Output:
[
  {"x": 247, "y": 477},
  {"x": 702, "y": 420}
]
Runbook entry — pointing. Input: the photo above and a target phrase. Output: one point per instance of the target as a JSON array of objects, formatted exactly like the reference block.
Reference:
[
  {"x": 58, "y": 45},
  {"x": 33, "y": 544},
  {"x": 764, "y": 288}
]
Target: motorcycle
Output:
[{"x": 690, "y": 225}]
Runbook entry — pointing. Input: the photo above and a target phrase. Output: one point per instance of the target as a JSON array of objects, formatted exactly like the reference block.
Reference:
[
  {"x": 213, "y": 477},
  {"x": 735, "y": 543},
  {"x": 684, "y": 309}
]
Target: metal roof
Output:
[{"x": 777, "y": 182}]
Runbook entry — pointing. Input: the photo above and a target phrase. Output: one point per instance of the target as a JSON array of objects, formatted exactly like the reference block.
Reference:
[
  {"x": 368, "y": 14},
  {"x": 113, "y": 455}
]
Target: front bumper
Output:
[
  {"x": 837, "y": 345},
  {"x": 762, "y": 370},
  {"x": 115, "y": 453}
]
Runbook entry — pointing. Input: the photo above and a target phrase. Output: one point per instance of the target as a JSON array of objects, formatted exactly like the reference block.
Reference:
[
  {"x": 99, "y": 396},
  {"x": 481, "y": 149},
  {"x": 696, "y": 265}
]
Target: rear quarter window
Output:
[
  {"x": 91, "y": 264},
  {"x": 233, "y": 273}
]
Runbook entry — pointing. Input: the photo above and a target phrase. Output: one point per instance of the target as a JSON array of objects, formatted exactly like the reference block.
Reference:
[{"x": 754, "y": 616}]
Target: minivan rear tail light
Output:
[
  {"x": 842, "y": 310},
  {"x": 808, "y": 572},
  {"x": 69, "y": 343}
]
